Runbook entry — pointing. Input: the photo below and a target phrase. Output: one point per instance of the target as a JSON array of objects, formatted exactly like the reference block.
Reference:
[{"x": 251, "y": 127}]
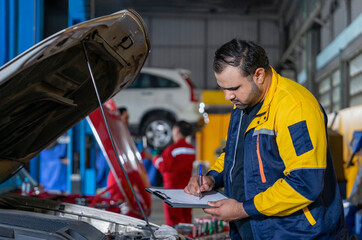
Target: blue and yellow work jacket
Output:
[{"x": 290, "y": 186}]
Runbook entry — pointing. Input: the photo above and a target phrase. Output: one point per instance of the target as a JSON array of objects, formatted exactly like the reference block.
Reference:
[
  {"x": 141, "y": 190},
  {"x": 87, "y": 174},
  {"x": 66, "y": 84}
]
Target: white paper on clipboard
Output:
[{"x": 177, "y": 198}]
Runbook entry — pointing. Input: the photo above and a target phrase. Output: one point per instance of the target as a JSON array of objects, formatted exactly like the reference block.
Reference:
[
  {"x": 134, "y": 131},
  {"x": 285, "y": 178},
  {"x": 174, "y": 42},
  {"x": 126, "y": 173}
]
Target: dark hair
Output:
[
  {"x": 122, "y": 110},
  {"x": 185, "y": 127},
  {"x": 246, "y": 55}
]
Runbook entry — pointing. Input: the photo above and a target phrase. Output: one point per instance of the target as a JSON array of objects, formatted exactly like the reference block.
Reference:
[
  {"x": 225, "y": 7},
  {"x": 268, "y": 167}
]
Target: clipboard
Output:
[{"x": 177, "y": 198}]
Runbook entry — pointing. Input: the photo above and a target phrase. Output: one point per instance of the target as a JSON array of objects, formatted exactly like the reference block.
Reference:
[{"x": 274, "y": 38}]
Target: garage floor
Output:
[{"x": 158, "y": 217}]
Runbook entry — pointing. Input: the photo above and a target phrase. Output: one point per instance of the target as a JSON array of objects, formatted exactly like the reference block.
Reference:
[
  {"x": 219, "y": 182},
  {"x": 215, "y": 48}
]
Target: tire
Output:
[{"x": 158, "y": 131}]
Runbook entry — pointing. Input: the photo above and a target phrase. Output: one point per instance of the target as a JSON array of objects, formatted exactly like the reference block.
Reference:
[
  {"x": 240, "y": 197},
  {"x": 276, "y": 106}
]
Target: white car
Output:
[{"x": 158, "y": 98}]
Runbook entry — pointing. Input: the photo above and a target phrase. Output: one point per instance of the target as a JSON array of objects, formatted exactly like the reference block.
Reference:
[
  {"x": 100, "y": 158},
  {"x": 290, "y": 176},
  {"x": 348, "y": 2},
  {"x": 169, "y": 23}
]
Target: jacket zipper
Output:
[
  {"x": 261, "y": 168},
  {"x": 236, "y": 146},
  {"x": 309, "y": 216}
]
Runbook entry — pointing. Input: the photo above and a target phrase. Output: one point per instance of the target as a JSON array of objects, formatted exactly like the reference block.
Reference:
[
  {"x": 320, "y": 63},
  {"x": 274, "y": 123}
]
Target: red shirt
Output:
[{"x": 175, "y": 164}]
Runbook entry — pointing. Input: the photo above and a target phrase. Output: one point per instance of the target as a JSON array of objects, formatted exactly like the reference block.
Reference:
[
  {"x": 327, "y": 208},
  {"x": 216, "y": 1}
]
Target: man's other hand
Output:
[{"x": 227, "y": 210}]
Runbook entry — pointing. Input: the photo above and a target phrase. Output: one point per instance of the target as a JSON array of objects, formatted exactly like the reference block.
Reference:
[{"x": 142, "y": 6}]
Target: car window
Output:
[
  {"x": 160, "y": 82},
  {"x": 143, "y": 81},
  {"x": 152, "y": 81}
]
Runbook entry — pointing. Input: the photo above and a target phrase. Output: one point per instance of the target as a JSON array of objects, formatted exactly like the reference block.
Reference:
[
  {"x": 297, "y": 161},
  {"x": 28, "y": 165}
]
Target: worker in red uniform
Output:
[{"x": 175, "y": 164}]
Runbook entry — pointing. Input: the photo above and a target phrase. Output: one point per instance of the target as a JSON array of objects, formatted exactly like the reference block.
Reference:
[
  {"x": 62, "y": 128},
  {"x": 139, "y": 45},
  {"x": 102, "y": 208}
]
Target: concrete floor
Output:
[{"x": 157, "y": 216}]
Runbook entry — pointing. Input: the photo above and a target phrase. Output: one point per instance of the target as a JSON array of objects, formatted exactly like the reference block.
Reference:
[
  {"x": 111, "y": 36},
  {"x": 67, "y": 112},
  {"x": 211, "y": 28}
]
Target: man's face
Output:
[
  {"x": 125, "y": 117},
  {"x": 241, "y": 91}
]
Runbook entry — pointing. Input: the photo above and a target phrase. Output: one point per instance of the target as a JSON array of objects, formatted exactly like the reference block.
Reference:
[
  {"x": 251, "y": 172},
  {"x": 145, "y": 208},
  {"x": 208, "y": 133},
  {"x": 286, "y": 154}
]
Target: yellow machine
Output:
[
  {"x": 210, "y": 139},
  {"x": 346, "y": 122}
]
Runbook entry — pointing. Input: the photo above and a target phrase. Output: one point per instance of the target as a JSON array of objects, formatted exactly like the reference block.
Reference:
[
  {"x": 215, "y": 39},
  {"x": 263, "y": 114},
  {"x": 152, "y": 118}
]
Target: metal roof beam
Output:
[{"x": 305, "y": 27}]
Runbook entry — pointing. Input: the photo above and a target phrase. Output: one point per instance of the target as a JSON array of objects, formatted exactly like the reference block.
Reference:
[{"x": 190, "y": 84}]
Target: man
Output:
[
  {"x": 124, "y": 115},
  {"x": 175, "y": 164},
  {"x": 102, "y": 168},
  {"x": 53, "y": 165},
  {"x": 276, "y": 167}
]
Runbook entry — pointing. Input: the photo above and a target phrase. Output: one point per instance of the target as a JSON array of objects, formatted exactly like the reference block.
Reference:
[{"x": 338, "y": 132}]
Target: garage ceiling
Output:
[
  {"x": 204, "y": 6},
  {"x": 252, "y": 8}
]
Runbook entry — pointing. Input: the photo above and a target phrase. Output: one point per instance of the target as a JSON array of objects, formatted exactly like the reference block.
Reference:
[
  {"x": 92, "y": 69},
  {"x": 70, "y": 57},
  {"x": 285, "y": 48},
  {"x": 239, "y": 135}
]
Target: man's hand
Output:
[
  {"x": 227, "y": 210},
  {"x": 147, "y": 154},
  {"x": 64, "y": 160},
  {"x": 193, "y": 187}
]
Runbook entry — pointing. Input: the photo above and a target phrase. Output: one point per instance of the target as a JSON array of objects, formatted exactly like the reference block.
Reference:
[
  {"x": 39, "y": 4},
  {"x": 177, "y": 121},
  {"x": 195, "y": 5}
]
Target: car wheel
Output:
[{"x": 158, "y": 131}]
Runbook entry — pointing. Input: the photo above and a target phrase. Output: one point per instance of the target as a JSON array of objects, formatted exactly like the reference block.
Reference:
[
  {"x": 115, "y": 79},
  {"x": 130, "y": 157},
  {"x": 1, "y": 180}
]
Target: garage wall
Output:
[
  {"x": 356, "y": 6},
  {"x": 190, "y": 42}
]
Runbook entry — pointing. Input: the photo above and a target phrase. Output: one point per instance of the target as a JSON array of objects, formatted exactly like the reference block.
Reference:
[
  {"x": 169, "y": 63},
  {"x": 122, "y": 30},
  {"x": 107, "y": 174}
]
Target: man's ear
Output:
[{"x": 259, "y": 76}]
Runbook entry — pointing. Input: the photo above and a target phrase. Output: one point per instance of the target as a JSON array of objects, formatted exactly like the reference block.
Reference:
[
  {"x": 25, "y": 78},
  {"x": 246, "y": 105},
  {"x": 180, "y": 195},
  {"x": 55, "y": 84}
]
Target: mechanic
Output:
[
  {"x": 276, "y": 167},
  {"x": 175, "y": 164},
  {"x": 53, "y": 165},
  {"x": 124, "y": 115},
  {"x": 102, "y": 168}
]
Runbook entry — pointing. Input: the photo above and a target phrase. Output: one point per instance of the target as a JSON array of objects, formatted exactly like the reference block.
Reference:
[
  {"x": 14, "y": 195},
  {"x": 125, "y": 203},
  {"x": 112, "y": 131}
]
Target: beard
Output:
[{"x": 253, "y": 98}]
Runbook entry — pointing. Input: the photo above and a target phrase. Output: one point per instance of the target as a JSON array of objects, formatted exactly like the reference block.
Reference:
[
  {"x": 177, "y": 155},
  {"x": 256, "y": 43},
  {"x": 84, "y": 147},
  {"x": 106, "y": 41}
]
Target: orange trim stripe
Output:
[{"x": 261, "y": 168}]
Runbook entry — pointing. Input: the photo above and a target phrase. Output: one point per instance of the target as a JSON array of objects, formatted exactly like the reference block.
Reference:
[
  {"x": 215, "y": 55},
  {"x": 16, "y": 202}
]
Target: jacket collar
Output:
[
  {"x": 263, "y": 114},
  {"x": 181, "y": 141},
  {"x": 270, "y": 94}
]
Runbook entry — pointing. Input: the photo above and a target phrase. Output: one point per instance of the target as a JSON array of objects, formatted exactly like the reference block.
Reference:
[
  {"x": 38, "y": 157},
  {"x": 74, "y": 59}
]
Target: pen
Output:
[{"x": 200, "y": 179}]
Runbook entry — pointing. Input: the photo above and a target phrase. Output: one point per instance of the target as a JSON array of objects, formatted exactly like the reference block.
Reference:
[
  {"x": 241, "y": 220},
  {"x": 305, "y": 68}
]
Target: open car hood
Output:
[
  {"x": 48, "y": 89},
  {"x": 51, "y": 218}
]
